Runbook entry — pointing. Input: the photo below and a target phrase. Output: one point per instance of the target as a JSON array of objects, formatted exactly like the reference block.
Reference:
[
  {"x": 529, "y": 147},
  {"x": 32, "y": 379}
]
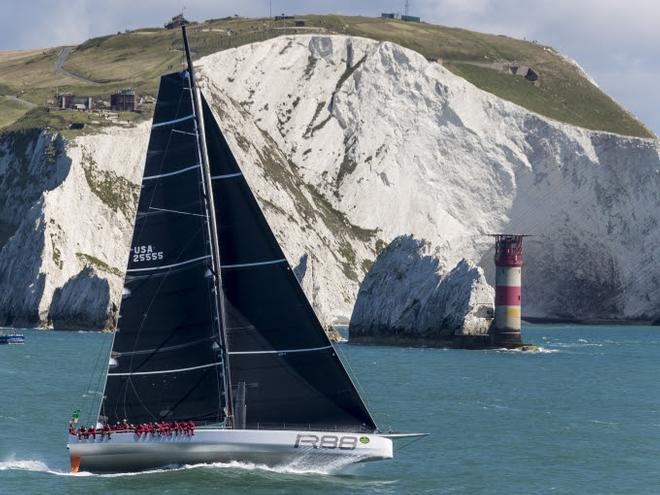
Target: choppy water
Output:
[{"x": 581, "y": 417}]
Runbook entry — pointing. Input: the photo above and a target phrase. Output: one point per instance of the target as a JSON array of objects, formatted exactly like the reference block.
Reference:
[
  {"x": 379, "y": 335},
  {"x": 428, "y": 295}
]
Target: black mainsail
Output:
[
  {"x": 166, "y": 362},
  {"x": 189, "y": 338}
]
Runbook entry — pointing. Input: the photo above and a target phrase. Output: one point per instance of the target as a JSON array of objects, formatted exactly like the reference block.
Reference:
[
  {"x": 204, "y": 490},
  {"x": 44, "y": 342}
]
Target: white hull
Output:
[{"x": 125, "y": 452}]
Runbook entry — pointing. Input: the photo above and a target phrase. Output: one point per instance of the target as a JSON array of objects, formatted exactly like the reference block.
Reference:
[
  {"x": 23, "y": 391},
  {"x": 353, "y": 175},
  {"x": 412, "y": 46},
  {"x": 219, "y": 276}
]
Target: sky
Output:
[{"x": 616, "y": 41}]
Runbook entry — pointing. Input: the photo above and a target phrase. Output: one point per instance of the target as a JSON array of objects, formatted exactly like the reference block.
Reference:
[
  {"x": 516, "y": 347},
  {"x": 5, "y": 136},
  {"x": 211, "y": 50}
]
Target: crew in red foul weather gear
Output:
[{"x": 105, "y": 431}]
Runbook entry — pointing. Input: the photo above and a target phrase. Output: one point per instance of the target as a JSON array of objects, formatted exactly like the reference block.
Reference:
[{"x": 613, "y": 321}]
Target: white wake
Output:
[{"x": 301, "y": 466}]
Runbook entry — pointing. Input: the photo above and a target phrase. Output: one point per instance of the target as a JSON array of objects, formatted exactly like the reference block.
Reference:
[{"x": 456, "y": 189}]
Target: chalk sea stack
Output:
[{"x": 411, "y": 297}]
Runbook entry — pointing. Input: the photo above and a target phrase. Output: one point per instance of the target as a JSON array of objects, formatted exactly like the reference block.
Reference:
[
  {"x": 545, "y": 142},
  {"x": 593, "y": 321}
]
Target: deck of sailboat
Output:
[{"x": 125, "y": 451}]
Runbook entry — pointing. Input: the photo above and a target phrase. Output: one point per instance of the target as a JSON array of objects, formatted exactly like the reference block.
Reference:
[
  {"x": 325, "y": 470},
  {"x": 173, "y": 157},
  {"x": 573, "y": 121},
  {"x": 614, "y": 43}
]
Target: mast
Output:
[{"x": 213, "y": 230}]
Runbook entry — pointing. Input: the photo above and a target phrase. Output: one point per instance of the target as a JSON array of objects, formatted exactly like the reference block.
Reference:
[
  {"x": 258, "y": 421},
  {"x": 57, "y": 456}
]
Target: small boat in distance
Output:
[
  {"x": 214, "y": 329},
  {"x": 8, "y": 336}
]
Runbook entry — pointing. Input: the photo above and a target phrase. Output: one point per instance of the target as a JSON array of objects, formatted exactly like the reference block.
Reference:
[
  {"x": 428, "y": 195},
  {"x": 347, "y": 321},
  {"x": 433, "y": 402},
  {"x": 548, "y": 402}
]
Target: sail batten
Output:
[
  {"x": 161, "y": 349},
  {"x": 174, "y": 121},
  {"x": 175, "y": 172},
  {"x": 163, "y": 372},
  {"x": 280, "y": 351},
  {"x": 172, "y": 265},
  {"x": 227, "y": 176},
  {"x": 254, "y": 264}
]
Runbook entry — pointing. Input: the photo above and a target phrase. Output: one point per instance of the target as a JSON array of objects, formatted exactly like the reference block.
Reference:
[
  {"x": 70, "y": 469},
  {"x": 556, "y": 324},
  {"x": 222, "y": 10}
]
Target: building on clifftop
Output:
[
  {"x": 177, "y": 21},
  {"x": 123, "y": 101}
]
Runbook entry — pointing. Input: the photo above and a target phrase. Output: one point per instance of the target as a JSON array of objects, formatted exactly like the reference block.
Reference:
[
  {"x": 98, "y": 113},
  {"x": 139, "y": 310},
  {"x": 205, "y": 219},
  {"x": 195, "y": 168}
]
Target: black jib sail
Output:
[
  {"x": 281, "y": 360},
  {"x": 166, "y": 362}
]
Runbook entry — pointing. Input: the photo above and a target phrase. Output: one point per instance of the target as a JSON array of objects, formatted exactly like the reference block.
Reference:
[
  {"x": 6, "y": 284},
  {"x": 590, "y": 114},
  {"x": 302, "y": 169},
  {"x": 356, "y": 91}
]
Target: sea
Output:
[{"x": 580, "y": 417}]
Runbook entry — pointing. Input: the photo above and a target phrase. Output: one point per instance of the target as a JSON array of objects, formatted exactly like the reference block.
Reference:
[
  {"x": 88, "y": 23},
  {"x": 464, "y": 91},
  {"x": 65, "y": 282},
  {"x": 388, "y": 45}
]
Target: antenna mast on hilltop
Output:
[{"x": 407, "y": 8}]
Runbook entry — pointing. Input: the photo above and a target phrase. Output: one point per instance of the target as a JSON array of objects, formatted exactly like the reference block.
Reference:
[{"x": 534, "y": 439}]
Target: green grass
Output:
[
  {"x": 138, "y": 58},
  {"x": 41, "y": 118},
  {"x": 61, "y": 120},
  {"x": 11, "y": 110},
  {"x": 571, "y": 100}
]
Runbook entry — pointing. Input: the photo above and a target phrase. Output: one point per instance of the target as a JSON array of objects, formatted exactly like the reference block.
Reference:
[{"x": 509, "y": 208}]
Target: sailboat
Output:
[{"x": 214, "y": 327}]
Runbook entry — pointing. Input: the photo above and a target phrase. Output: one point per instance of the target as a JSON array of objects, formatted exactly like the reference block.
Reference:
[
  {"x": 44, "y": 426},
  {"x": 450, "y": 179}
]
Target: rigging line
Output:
[
  {"x": 164, "y": 372},
  {"x": 408, "y": 444},
  {"x": 95, "y": 374},
  {"x": 99, "y": 374},
  {"x": 179, "y": 212},
  {"x": 137, "y": 396},
  {"x": 352, "y": 376},
  {"x": 188, "y": 393},
  {"x": 179, "y": 326}
]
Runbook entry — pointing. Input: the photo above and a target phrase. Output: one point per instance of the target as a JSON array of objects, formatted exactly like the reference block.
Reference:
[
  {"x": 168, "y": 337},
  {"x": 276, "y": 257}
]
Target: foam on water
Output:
[
  {"x": 301, "y": 466},
  {"x": 35, "y": 466},
  {"x": 538, "y": 350},
  {"x": 24, "y": 465}
]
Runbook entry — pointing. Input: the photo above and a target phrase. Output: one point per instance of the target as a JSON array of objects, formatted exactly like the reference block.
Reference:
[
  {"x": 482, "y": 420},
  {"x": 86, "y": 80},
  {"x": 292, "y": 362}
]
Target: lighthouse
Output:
[{"x": 508, "y": 284}]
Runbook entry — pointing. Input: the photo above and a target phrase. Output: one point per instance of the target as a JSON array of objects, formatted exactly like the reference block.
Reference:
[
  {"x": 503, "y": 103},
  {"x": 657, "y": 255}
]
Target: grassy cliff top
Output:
[{"x": 136, "y": 59}]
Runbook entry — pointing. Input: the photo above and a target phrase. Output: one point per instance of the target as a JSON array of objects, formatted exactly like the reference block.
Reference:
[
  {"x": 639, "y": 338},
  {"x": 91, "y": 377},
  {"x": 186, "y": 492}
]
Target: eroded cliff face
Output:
[
  {"x": 349, "y": 143},
  {"x": 68, "y": 207},
  {"x": 410, "y": 295}
]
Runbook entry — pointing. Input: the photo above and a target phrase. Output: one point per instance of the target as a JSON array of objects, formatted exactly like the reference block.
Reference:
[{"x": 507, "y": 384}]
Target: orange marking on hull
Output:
[{"x": 75, "y": 464}]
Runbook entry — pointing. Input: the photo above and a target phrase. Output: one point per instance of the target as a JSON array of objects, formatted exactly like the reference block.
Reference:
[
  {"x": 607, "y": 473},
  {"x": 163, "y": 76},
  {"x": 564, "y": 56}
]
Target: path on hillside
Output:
[
  {"x": 497, "y": 65},
  {"x": 28, "y": 104},
  {"x": 59, "y": 66}
]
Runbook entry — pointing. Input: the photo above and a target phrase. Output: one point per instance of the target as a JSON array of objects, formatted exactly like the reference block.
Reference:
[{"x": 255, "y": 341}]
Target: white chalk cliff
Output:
[{"x": 349, "y": 143}]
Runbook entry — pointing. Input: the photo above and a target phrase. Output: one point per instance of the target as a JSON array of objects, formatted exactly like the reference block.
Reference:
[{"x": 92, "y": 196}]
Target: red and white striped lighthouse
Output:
[{"x": 508, "y": 284}]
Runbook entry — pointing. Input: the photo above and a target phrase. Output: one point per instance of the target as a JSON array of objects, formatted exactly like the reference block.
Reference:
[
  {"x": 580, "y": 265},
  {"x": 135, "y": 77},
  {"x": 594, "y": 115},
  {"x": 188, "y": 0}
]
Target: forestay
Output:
[
  {"x": 278, "y": 351},
  {"x": 165, "y": 362}
]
